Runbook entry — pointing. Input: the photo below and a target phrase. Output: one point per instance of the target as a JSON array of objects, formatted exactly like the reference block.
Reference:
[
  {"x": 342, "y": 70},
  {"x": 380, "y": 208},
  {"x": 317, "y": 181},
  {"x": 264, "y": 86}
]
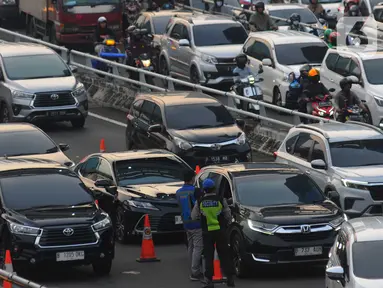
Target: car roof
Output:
[
  {"x": 28, "y": 163},
  {"x": 167, "y": 13},
  {"x": 8, "y": 49},
  {"x": 180, "y": 98},
  {"x": 338, "y": 132},
  {"x": 284, "y": 37},
  {"x": 273, "y": 7},
  {"x": 134, "y": 154},
  {"x": 17, "y": 127},
  {"x": 206, "y": 19},
  {"x": 367, "y": 228},
  {"x": 364, "y": 52}
]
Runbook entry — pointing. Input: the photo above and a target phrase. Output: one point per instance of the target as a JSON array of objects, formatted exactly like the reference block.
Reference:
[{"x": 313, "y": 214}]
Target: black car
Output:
[
  {"x": 131, "y": 184},
  {"x": 279, "y": 214},
  {"x": 50, "y": 217},
  {"x": 192, "y": 125}
]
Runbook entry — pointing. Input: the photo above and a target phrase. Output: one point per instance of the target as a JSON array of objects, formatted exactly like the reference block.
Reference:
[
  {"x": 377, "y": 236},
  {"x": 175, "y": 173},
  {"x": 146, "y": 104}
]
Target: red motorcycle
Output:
[{"x": 321, "y": 106}]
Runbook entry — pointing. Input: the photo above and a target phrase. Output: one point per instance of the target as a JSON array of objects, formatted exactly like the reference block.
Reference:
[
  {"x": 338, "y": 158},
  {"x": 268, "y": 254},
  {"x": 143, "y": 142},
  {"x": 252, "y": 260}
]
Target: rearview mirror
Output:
[
  {"x": 318, "y": 164},
  {"x": 267, "y": 62},
  {"x": 156, "y": 128},
  {"x": 103, "y": 183},
  {"x": 335, "y": 273},
  {"x": 73, "y": 68},
  {"x": 331, "y": 90},
  {"x": 64, "y": 147},
  {"x": 184, "y": 43}
]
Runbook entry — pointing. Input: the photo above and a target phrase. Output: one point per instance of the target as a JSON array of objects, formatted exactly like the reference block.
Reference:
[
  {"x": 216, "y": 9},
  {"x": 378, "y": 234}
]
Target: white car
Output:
[
  {"x": 366, "y": 6},
  {"x": 330, "y": 6},
  {"x": 281, "y": 53},
  {"x": 366, "y": 67}
]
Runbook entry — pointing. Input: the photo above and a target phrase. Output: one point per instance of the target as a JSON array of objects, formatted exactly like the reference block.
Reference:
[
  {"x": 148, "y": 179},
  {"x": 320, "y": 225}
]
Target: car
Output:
[
  {"x": 355, "y": 257},
  {"x": 366, "y": 7},
  {"x": 226, "y": 9},
  {"x": 201, "y": 49},
  {"x": 344, "y": 159},
  {"x": 28, "y": 141},
  {"x": 129, "y": 185},
  {"x": 50, "y": 218},
  {"x": 279, "y": 214},
  {"x": 36, "y": 85},
  {"x": 280, "y": 53},
  {"x": 363, "y": 65},
  {"x": 194, "y": 126},
  {"x": 330, "y": 6}
]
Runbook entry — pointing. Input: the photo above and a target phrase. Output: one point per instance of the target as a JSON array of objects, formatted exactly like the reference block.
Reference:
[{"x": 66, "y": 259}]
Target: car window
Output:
[
  {"x": 216, "y": 177},
  {"x": 258, "y": 51},
  {"x": 89, "y": 167},
  {"x": 331, "y": 60},
  {"x": 247, "y": 45},
  {"x": 300, "y": 53},
  {"x": 160, "y": 24},
  {"x": 224, "y": 188},
  {"x": 146, "y": 111},
  {"x": 156, "y": 116},
  {"x": 202, "y": 178},
  {"x": 354, "y": 69},
  {"x": 177, "y": 32},
  {"x": 341, "y": 252},
  {"x": 219, "y": 34},
  {"x": 372, "y": 68},
  {"x": 303, "y": 146},
  {"x": 341, "y": 66},
  {"x": 370, "y": 252},
  {"x": 290, "y": 144},
  {"x": 169, "y": 25},
  {"x": 147, "y": 25},
  {"x": 317, "y": 152},
  {"x": 136, "y": 108},
  {"x": 104, "y": 170},
  {"x": 185, "y": 33}
]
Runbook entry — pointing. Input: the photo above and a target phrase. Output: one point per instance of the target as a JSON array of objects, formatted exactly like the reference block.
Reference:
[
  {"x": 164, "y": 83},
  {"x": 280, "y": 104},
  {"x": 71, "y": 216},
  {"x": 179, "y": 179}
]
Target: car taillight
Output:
[{"x": 275, "y": 154}]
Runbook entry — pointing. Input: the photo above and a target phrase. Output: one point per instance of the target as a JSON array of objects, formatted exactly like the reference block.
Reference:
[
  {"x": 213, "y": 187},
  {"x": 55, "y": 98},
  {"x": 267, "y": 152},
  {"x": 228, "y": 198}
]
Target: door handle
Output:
[{"x": 308, "y": 172}]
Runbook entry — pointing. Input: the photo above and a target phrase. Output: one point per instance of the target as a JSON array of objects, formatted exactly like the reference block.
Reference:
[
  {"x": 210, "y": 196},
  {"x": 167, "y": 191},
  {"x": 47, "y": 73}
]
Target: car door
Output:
[
  {"x": 225, "y": 190},
  {"x": 327, "y": 72},
  {"x": 341, "y": 70},
  {"x": 301, "y": 152},
  {"x": 156, "y": 139},
  {"x": 341, "y": 259},
  {"x": 185, "y": 53},
  {"x": 173, "y": 51},
  {"x": 132, "y": 123},
  {"x": 143, "y": 124},
  {"x": 359, "y": 90},
  {"x": 319, "y": 176}
]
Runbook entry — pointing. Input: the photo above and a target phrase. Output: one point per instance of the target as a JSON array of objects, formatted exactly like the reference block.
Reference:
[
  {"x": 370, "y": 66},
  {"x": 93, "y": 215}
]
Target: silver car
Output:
[
  {"x": 355, "y": 260},
  {"x": 37, "y": 85}
]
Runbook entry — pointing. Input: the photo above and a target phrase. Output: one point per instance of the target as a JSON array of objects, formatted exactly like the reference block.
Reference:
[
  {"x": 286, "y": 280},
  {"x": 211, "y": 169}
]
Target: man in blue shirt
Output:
[{"x": 187, "y": 196}]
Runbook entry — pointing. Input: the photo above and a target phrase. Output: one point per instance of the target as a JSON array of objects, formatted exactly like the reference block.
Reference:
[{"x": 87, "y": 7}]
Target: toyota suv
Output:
[{"x": 344, "y": 159}]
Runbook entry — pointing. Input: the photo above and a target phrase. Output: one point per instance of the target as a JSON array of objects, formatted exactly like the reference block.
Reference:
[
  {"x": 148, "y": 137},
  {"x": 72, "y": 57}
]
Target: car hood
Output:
[
  {"x": 166, "y": 191},
  {"x": 221, "y": 51},
  {"x": 368, "y": 283},
  {"x": 365, "y": 174},
  {"x": 45, "y": 84},
  {"x": 294, "y": 214},
  {"x": 59, "y": 157},
  {"x": 376, "y": 90},
  {"x": 208, "y": 135}
]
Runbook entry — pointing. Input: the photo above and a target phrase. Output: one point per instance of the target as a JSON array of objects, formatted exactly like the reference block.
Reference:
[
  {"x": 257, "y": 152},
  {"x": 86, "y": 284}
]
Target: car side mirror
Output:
[
  {"x": 64, "y": 147},
  {"x": 267, "y": 62},
  {"x": 318, "y": 164},
  {"x": 335, "y": 273},
  {"x": 331, "y": 90},
  {"x": 244, "y": 50},
  {"x": 184, "y": 43},
  {"x": 73, "y": 68},
  {"x": 240, "y": 123},
  {"x": 156, "y": 128},
  {"x": 260, "y": 71},
  {"x": 260, "y": 79},
  {"x": 333, "y": 196},
  {"x": 103, "y": 183}
]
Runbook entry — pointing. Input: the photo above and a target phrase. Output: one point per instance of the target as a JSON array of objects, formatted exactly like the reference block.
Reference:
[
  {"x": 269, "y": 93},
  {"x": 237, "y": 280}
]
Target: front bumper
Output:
[{"x": 217, "y": 74}]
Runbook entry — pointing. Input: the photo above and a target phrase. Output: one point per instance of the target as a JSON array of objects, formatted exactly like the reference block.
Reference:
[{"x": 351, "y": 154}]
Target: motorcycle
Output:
[
  {"x": 321, "y": 106},
  {"x": 354, "y": 113},
  {"x": 144, "y": 62}
]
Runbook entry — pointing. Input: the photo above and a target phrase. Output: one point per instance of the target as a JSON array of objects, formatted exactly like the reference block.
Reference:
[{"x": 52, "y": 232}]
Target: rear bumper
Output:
[{"x": 79, "y": 38}]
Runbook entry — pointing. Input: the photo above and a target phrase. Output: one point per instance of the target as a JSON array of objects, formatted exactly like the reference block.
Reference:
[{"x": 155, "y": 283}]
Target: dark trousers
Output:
[{"x": 219, "y": 238}]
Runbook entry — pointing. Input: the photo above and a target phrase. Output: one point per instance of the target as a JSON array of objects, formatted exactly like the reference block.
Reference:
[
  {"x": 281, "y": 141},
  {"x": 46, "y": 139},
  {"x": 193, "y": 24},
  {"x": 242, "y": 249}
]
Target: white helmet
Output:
[{"x": 101, "y": 19}]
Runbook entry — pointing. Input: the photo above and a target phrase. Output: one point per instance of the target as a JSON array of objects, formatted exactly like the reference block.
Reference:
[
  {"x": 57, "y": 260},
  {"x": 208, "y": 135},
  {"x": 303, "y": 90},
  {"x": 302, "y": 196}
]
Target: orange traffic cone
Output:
[
  {"x": 147, "y": 248},
  {"x": 197, "y": 169},
  {"x": 102, "y": 145},
  {"x": 217, "y": 277},
  {"x": 8, "y": 267}
]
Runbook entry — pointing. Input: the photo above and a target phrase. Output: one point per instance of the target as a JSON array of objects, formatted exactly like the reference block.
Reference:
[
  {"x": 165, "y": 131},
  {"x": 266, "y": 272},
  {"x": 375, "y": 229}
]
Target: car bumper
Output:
[
  {"x": 216, "y": 74},
  {"x": 9, "y": 11}
]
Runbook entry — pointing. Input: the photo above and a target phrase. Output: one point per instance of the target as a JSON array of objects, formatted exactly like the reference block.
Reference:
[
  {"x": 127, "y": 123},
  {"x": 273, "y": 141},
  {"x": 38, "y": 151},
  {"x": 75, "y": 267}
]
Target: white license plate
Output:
[
  {"x": 178, "y": 220},
  {"x": 70, "y": 256},
  {"x": 56, "y": 113},
  {"x": 248, "y": 91},
  {"x": 308, "y": 251},
  {"x": 218, "y": 159}
]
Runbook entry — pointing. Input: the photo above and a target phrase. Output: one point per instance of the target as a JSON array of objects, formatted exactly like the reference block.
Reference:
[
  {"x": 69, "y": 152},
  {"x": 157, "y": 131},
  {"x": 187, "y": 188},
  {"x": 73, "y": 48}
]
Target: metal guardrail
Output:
[
  {"x": 18, "y": 281},
  {"x": 69, "y": 56}
]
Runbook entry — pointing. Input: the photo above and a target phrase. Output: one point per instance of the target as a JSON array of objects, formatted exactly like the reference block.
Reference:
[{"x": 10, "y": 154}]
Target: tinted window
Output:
[
  {"x": 25, "y": 143},
  {"x": 258, "y": 51},
  {"x": 331, "y": 60},
  {"x": 357, "y": 153},
  {"x": 216, "y": 178},
  {"x": 370, "y": 252},
  {"x": 224, "y": 188},
  {"x": 300, "y": 53},
  {"x": 197, "y": 116},
  {"x": 149, "y": 171},
  {"x": 104, "y": 170},
  {"x": 177, "y": 31},
  {"x": 147, "y": 110},
  {"x": 160, "y": 23},
  {"x": 290, "y": 144},
  {"x": 354, "y": 69},
  {"x": 202, "y": 178},
  {"x": 373, "y": 70},
  {"x": 276, "y": 189},
  {"x": 306, "y": 16},
  {"x": 89, "y": 167},
  {"x": 219, "y": 34},
  {"x": 51, "y": 188},
  {"x": 364, "y": 9},
  {"x": 303, "y": 145},
  {"x": 156, "y": 116},
  {"x": 317, "y": 152},
  {"x": 373, "y": 3},
  {"x": 378, "y": 15},
  {"x": 24, "y": 67},
  {"x": 341, "y": 66},
  {"x": 136, "y": 108}
]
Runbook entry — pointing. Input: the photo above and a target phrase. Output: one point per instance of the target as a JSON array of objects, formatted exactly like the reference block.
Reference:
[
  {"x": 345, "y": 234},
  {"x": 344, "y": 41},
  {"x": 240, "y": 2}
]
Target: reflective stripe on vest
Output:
[{"x": 211, "y": 209}]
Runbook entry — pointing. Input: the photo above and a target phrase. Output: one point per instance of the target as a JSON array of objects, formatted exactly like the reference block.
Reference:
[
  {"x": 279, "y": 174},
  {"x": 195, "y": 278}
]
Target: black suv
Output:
[
  {"x": 192, "y": 125},
  {"x": 50, "y": 217},
  {"x": 279, "y": 214}
]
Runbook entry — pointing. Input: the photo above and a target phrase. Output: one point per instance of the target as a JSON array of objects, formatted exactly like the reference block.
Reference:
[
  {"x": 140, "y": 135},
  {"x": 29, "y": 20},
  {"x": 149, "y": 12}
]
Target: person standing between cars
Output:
[
  {"x": 261, "y": 21},
  {"x": 187, "y": 196},
  {"x": 102, "y": 31},
  {"x": 316, "y": 8},
  {"x": 214, "y": 214}
]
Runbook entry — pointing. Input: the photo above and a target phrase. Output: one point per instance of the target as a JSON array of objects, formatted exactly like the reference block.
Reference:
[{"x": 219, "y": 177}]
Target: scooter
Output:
[
  {"x": 144, "y": 62},
  {"x": 321, "y": 106}
]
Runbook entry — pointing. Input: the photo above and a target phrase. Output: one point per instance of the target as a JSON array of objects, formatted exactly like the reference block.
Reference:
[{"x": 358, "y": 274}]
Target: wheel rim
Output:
[
  {"x": 120, "y": 226},
  {"x": 5, "y": 115},
  {"x": 236, "y": 256}
]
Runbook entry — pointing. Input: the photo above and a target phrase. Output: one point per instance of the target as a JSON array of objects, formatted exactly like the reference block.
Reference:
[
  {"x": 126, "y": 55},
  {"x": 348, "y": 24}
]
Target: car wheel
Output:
[
  {"x": 121, "y": 235},
  {"x": 103, "y": 266},
  {"x": 238, "y": 255},
  {"x": 78, "y": 123},
  {"x": 277, "y": 97},
  {"x": 164, "y": 70},
  {"x": 194, "y": 76},
  {"x": 4, "y": 114},
  {"x": 367, "y": 117}
]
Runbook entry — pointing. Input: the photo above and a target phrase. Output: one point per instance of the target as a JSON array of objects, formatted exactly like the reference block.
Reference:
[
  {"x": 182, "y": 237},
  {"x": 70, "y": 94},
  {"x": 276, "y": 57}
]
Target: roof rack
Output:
[
  {"x": 377, "y": 129},
  {"x": 313, "y": 129}
]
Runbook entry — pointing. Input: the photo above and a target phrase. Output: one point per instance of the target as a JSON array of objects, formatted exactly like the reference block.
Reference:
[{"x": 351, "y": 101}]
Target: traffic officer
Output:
[{"x": 215, "y": 216}]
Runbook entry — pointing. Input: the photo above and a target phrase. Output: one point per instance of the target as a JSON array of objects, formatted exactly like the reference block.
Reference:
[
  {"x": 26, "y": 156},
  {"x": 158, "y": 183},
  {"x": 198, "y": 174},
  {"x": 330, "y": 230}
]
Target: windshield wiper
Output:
[
  {"x": 51, "y": 150},
  {"x": 199, "y": 126}
]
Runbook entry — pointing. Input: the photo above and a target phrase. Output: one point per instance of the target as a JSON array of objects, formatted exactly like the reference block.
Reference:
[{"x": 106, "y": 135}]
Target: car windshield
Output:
[
  {"x": 43, "y": 188},
  {"x": 149, "y": 171},
  {"x": 160, "y": 23},
  {"x": 198, "y": 4},
  {"x": 72, "y": 3},
  {"x": 307, "y": 2},
  {"x": 26, "y": 143},
  {"x": 373, "y": 68},
  {"x": 194, "y": 116},
  {"x": 300, "y": 53},
  {"x": 24, "y": 67},
  {"x": 357, "y": 153},
  {"x": 306, "y": 16},
  {"x": 370, "y": 252},
  {"x": 219, "y": 34},
  {"x": 276, "y": 189}
]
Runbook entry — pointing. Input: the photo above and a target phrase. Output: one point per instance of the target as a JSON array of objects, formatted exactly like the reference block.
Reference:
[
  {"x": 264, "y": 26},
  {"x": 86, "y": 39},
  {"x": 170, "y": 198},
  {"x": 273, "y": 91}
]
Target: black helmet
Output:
[
  {"x": 241, "y": 60},
  {"x": 354, "y": 10},
  {"x": 345, "y": 81},
  {"x": 305, "y": 69},
  {"x": 295, "y": 17},
  {"x": 260, "y": 5}
]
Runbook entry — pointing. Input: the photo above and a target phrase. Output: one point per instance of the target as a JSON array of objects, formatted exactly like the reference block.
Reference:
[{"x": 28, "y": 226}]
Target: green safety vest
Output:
[{"x": 211, "y": 209}]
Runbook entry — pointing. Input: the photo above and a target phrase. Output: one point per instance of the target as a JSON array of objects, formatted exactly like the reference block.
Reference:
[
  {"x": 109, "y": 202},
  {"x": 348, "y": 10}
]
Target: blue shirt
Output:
[{"x": 186, "y": 199}]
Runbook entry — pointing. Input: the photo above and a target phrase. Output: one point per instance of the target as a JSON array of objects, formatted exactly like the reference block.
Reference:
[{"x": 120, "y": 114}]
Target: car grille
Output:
[
  {"x": 376, "y": 192},
  {"x": 55, "y": 236},
  {"x": 45, "y": 99},
  {"x": 165, "y": 223},
  {"x": 226, "y": 61},
  {"x": 208, "y": 152},
  {"x": 300, "y": 237},
  {"x": 225, "y": 69}
]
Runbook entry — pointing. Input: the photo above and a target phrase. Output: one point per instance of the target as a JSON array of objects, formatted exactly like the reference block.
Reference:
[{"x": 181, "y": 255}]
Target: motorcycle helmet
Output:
[
  {"x": 102, "y": 19},
  {"x": 349, "y": 3},
  {"x": 326, "y": 34},
  {"x": 241, "y": 60},
  {"x": 295, "y": 18},
  {"x": 304, "y": 70},
  {"x": 314, "y": 75},
  {"x": 260, "y": 5},
  {"x": 344, "y": 82},
  {"x": 354, "y": 11},
  {"x": 333, "y": 38}
]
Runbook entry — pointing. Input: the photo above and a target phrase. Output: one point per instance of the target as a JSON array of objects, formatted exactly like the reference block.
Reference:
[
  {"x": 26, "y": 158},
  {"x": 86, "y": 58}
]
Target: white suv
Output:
[
  {"x": 281, "y": 53},
  {"x": 366, "y": 67}
]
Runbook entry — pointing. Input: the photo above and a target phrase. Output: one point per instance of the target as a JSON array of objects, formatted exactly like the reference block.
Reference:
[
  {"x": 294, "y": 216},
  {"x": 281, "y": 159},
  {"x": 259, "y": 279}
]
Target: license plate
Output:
[
  {"x": 324, "y": 104},
  {"x": 218, "y": 159},
  {"x": 178, "y": 220},
  {"x": 308, "y": 251},
  {"x": 248, "y": 91},
  {"x": 70, "y": 256},
  {"x": 56, "y": 113}
]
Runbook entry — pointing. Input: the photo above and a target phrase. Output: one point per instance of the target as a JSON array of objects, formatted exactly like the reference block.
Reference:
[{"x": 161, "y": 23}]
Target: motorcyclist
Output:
[
  {"x": 261, "y": 21},
  {"x": 348, "y": 4},
  {"x": 102, "y": 31},
  {"x": 354, "y": 11},
  {"x": 326, "y": 35},
  {"x": 333, "y": 39},
  {"x": 304, "y": 76},
  {"x": 316, "y": 8},
  {"x": 346, "y": 98},
  {"x": 242, "y": 69},
  {"x": 295, "y": 20}
]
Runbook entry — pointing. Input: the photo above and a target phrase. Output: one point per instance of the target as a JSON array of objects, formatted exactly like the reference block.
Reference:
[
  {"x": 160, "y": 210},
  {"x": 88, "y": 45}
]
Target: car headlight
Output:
[
  {"x": 146, "y": 63},
  {"x": 355, "y": 184},
  {"x": 241, "y": 139},
  {"x": 338, "y": 221},
  {"x": 79, "y": 90},
  {"x": 261, "y": 227},
  {"x": 209, "y": 59},
  {"x": 379, "y": 101},
  {"x": 103, "y": 224},
  {"x": 23, "y": 230},
  {"x": 141, "y": 205},
  {"x": 182, "y": 144},
  {"x": 22, "y": 95}
]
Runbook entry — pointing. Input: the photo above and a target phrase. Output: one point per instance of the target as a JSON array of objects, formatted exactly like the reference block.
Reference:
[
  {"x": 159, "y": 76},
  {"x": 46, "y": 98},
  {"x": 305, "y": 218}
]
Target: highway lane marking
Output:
[{"x": 107, "y": 119}]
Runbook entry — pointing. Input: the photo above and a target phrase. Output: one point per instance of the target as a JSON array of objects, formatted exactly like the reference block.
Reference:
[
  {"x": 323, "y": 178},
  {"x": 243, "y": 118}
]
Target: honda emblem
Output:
[{"x": 305, "y": 229}]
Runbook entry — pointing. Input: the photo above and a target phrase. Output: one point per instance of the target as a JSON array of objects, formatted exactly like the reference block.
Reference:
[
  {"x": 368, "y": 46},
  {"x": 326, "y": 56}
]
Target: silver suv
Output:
[
  {"x": 36, "y": 84},
  {"x": 201, "y": 48},
  {"x": 344, "y": 159}
]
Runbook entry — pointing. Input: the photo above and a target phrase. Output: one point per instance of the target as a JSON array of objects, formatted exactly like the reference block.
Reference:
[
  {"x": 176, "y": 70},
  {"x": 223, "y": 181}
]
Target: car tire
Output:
[
  {"x": 164, "y": 69},
  {"x": 194, "y": 76},
  {"x": 102, "y": 267},
  {"x": 238, "y": 256},
  {"x": 121, "y": 235},
  {"x": 78, "y": 123},
  {"x": 277, "y": 97},
  {"x": 5, "y": 116}
]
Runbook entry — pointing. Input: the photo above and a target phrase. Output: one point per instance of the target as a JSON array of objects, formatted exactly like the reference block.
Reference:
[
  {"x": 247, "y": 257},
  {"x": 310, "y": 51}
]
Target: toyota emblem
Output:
[
  {"x": 305, "y": 229},
  {"x": 55, "y": 97},
  {"x": 215, "y": 146},
  {"x": 68, "y": 231}
]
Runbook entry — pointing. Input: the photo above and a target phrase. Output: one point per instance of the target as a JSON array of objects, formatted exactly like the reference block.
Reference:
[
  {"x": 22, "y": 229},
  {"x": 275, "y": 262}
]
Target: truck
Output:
[{"x": 69, "y": 22}]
